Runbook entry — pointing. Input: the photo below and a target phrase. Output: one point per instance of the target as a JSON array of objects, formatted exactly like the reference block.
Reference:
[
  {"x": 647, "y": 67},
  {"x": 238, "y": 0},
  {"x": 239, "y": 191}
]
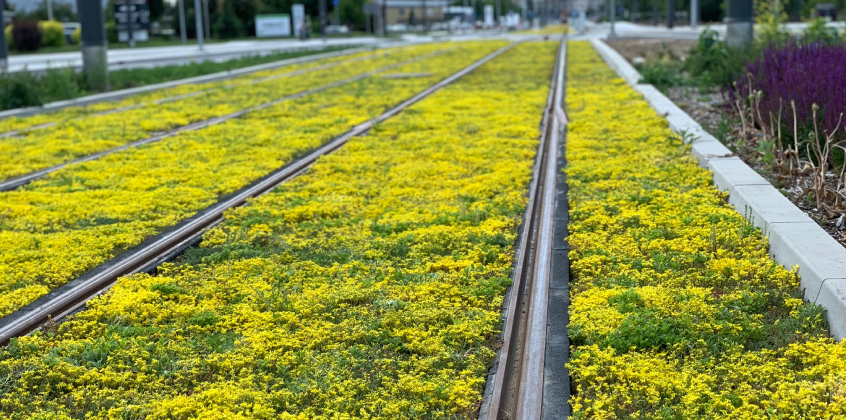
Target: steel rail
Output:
[
  {"x": 197, "y": 93},
  {"x": 150, "y": 254},
  {"x": 517, "y": 388},
  {"x": 18, "y": 181}
]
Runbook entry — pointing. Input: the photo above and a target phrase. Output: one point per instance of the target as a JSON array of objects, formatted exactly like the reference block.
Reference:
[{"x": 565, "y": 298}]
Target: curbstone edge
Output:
[{"x": 794, "y": 238}]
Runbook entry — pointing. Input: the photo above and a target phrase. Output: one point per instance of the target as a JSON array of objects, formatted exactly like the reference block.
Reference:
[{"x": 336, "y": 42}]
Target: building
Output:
[{"x": 411, "y": 11}]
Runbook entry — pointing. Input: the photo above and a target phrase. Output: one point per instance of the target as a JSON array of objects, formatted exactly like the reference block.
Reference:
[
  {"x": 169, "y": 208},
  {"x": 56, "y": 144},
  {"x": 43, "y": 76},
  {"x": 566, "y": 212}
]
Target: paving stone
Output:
[
  {"x": 732, "y": 172},
  {"x": 833, "y": 299}
]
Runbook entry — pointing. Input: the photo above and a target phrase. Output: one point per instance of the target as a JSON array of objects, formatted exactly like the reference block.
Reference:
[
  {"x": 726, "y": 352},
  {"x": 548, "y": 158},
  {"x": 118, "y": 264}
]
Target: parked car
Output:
[{"x": 337, "y": 29}]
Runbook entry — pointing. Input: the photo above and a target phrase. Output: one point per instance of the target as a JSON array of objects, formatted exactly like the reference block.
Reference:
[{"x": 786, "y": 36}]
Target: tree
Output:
[
  {"x": 228, "y": 25},
  {"x": 62, "y": 12},
  {"x": 157, "y": 8},
  {"x": 352, "y": 12}
]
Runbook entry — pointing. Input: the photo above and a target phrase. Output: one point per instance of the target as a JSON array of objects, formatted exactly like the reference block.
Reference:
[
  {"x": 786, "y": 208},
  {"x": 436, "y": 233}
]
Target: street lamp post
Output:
[{"x": 671, "y": 13}]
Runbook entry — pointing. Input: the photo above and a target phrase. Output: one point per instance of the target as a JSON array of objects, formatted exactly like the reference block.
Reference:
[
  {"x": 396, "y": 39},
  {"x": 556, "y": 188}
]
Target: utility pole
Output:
[
  {"x": 671, "y": 13},
  {"x": 739, "y": 23},
  {"x": 206, "y": 15},
  {"x": 182, "y": 30},
  {"x": 49, "y": 10},
  {"x": 198, "y": 18},
  {"x": 93, "y": 41},
  {"x": 4, "y": 55},
  {"x": 635, "y": 8}
]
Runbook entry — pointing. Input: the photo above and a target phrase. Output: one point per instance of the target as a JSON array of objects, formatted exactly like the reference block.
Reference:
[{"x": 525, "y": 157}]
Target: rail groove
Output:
[
  {"x": 517, "y": 388},
  {"x": 21, "y": 180},
  {"x": 69, "y": 298}
]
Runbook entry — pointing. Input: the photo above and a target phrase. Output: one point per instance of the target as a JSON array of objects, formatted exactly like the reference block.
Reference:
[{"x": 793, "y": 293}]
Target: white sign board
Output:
[
  {"x": 273, "y": 25},
  {"x": 298, "y": 12},
  {"x": 489, "y": 17}
]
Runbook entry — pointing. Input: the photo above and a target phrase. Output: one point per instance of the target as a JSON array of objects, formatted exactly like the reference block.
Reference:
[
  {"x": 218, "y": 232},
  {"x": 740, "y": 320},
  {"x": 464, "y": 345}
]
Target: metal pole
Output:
[
  {"x": 4, "y": 60},
  {"x": 322, "y": 7},
  {"x": 635, "y": 9},
  {"x": 206, "y": 15},
  {"x": 498, "y": 12},
  {"x": 613, "y": 18},
  {"x": 425, "y": 17},
  {"x": 694, "y": 13},
  {"x": 198, "y": 18},
  {"x": 671, "y": 13},
  {"x": 182, "y": 29},
  {"x": 49, "y": 10},
  {"x": 739, "y": 23},
  {"x": 129, "y": 29},
  {"x": 93, "y": 42}
]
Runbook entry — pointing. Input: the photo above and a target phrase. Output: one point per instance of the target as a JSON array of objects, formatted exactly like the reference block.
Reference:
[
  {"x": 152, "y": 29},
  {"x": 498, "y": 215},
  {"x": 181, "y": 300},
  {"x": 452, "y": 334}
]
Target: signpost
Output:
[
  {"x": 273, "y": 26},
  {"x": 132, "y": 20},
  {"x": 336, "y": 6}
]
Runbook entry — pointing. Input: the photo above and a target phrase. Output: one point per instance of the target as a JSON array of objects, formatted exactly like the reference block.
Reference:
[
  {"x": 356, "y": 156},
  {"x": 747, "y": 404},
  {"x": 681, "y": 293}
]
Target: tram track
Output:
[
  {"x": 197, "y": 93},
  {"x": 21, "y": 180},
  {"x": 72, "y": 296},
  {"x": 515, "y": 390}
]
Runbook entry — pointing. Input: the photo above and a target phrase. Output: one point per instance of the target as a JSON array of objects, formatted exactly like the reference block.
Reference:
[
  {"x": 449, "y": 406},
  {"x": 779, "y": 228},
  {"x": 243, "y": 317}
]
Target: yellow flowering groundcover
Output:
[
  {"x": 73, "y": 138},
  {"x": 677, "y": 310},
  {"x": 19, "y": 123},
  {"x": 369, "y": 287},
  {"x": 54, "y": 229}
]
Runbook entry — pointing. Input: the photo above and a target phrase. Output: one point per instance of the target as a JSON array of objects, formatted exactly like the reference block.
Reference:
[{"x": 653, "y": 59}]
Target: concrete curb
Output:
[
  {"x": 794, "y": 238},
  {"x": 120, "y": 94}
]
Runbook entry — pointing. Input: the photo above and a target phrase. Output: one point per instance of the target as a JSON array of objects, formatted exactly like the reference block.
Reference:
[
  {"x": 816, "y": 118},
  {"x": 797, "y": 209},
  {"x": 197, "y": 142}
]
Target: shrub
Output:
[
  {"x": 819, "y": 32},
  {"x": 712, "y": 61},
  {"x": 8, "y": 32},
  {"x": 18, "y": 90},
  {"x": 52, "y": 33},
  {"x": 76, "y": 36},
  {"x": 26, "y": 36},
  {"x": 806, "y": 74}
]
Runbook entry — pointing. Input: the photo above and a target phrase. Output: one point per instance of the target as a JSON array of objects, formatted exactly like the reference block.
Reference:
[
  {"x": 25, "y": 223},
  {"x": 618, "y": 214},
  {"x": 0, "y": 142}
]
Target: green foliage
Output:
[
  {"x": 662, "y": 73},
  {"x": 52, "y": 33},
  {"x": 818, "y": 32},
  {"x": 228, "y": 25},
  {"x": 76, "y": 36},
  {"x": 8, "y": 33},
  {"x": 712, "y": 62},
  {"x": 18, "y": 90}
]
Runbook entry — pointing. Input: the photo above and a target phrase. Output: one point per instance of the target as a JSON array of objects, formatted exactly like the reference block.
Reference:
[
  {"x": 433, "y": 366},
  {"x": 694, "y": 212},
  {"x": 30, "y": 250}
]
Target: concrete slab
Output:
[
  {"x": 817, "y": 254},
  {"x": 833, "y": 299},
  {"x": 733, "y": 172},
  {"x": 763, "y": 205},
  {"x": 705, "y": 150}
]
